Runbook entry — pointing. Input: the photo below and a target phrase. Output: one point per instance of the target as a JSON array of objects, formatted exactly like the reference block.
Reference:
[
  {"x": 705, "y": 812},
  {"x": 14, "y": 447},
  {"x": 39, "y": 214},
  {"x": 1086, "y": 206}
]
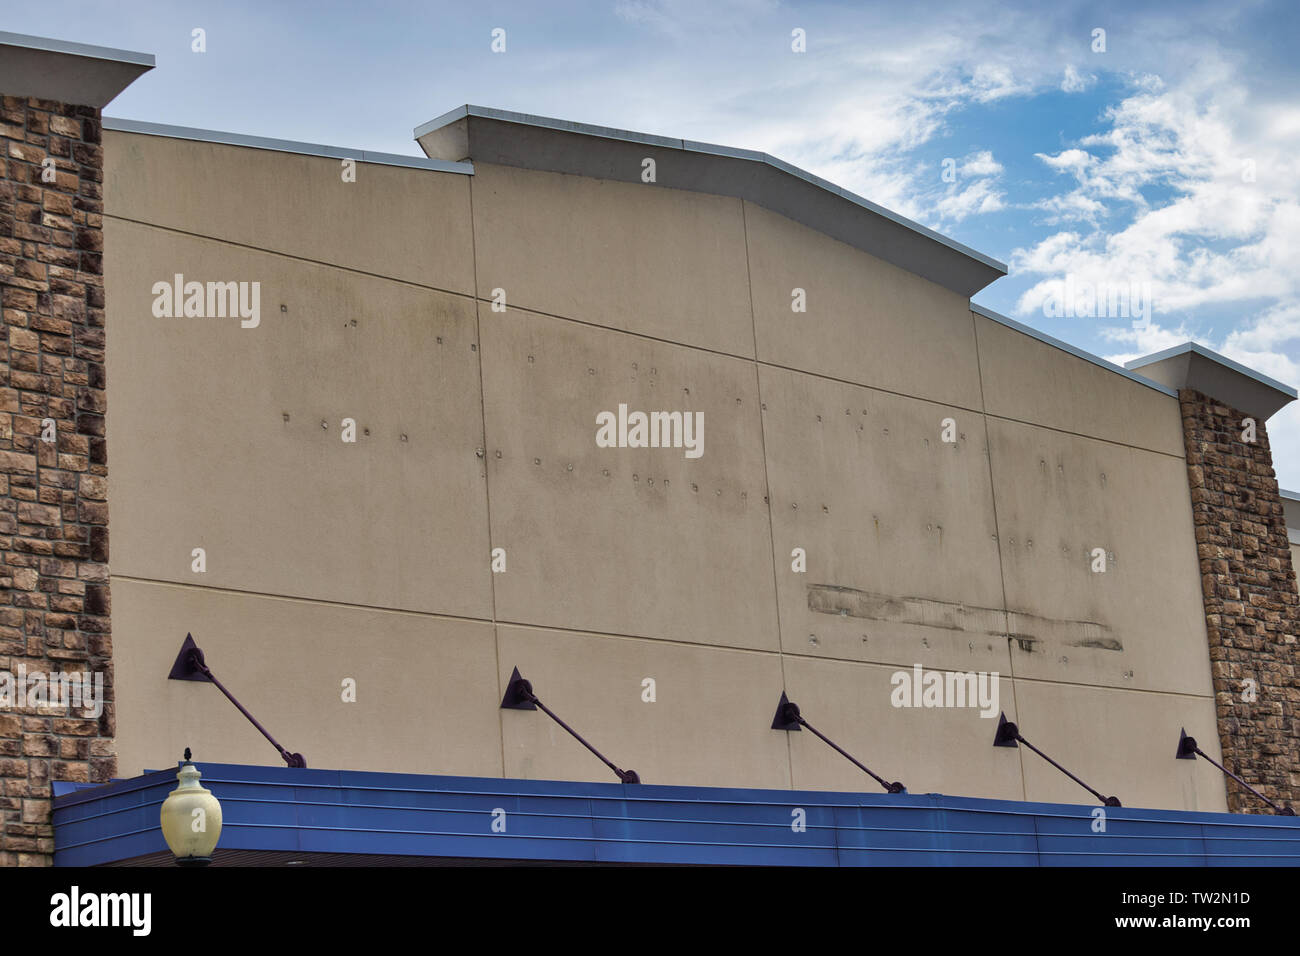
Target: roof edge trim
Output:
[
  {"x": 50, "y": 45},
  {"x": 1073, "y": 350},
  {"x": 1215, "y": 357},
  {"x": 692, "y": 146},
  {"x": 284, "y": 145}
]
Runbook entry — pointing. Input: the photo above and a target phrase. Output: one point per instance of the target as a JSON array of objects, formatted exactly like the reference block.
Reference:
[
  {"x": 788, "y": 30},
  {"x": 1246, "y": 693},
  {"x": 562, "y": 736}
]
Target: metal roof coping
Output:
[
  {"x": 284, "y": 145},
  {"x": 1203, "y": 370},
  {"x": 606, "y": 132},
  {"x": 78, "y": 74}
]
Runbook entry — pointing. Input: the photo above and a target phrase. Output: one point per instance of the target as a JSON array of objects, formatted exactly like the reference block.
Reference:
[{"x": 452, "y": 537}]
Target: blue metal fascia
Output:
[{"x": 339, "y": 811}]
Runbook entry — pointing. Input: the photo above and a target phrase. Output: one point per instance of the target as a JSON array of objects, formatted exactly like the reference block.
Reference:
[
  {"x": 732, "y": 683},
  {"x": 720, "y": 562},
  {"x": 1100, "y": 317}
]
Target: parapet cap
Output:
[
  {"x": 1193, "y": 366},
  {"x": 487, "y": 135},
  {"x": 74, "y": 73}
]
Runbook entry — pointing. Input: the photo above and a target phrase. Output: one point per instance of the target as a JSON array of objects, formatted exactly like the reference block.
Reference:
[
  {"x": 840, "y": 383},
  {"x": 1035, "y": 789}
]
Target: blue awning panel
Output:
[{"x": 353, "y": 812}]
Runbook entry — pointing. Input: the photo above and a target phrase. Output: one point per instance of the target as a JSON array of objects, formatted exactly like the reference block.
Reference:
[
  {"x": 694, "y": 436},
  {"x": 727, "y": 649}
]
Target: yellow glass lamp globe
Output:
[{"x": 191, "y": 818}]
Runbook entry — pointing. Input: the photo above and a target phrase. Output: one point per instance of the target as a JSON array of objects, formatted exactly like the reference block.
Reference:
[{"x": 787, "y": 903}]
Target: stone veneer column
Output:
[
  {"x": 54, "y": 595},
  {"x": 1252, "y": 610},
  {"x": 54, "y": 586}
]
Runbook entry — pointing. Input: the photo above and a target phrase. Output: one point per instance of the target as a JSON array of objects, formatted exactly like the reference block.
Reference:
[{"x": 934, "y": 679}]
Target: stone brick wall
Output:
[
  {"x": 1252, "y": 610},
  {"x": 54, "y": 591}
]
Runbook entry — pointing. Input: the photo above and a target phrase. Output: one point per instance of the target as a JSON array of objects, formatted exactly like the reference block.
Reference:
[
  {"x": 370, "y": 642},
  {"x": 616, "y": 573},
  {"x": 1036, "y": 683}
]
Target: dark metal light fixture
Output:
[
  {"x": 520, "y": 696},
  {"x": 1009, "y": 734},
  {"x": 191, "y": 666},
  {"x": 1187, "y": 750},
  {"x": 788, "y": 718}
]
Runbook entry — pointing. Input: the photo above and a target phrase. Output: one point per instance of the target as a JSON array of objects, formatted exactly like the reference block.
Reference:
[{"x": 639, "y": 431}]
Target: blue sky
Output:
[{"x": 1167, "y": 164}]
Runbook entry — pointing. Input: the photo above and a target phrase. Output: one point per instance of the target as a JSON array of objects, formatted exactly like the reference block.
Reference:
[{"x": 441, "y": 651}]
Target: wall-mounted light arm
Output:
[
  {"x": 1009, "y": 734},
  {"x": 191, "y": 666},
  {"x": 1187, "y": 750},
  {"x": 788, "y": 718},
  {"x": 520, "y": 696}
]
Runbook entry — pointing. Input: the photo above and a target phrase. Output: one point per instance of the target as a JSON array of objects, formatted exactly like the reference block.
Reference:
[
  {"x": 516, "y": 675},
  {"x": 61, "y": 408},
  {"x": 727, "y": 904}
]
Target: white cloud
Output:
[
  {"x": 1172, "y": 161},
  {"x": 993, "y": 81},
  {"x": 682, "y": 18},
  {"x": 1146, "y": 340},
  {"x": 978, "y": 197},
  {"x": 1275, "y": 326},
  {"x": 1072, "y": 207},
  {"x": 1075, "y": 82},
  {"x": 981, "y": 163},
  {"x": 1074, "y": 161}
]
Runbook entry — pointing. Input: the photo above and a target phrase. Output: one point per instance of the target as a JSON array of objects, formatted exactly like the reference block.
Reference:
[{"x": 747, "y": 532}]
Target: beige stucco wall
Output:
[
  {"x": 370, "y": 561},
  {"x": 1291, "y": 511}
]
